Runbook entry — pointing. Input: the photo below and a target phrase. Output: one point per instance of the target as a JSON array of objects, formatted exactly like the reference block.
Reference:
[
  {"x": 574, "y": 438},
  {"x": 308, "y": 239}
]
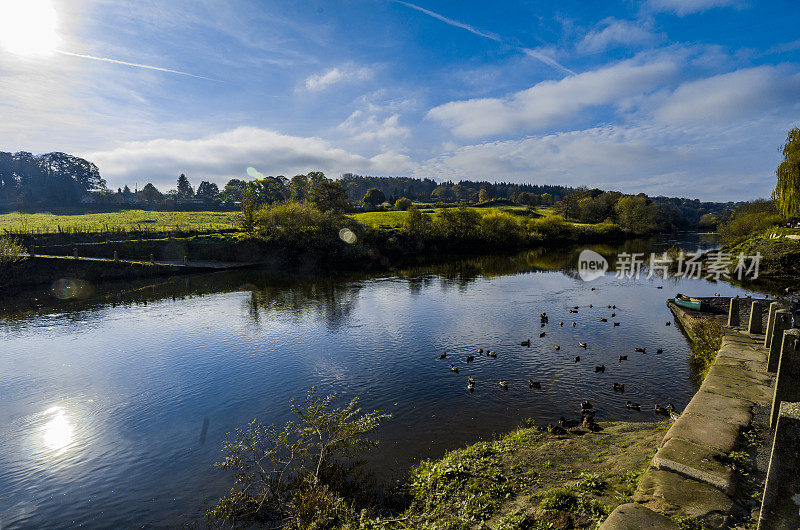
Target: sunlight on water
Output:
[{"x": 58, "y": 433}]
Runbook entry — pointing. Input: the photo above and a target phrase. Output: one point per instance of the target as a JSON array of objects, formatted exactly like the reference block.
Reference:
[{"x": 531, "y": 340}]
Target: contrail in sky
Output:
[
  {"x": 549, "y": 61},
  {"x": 136, "y": 65}
]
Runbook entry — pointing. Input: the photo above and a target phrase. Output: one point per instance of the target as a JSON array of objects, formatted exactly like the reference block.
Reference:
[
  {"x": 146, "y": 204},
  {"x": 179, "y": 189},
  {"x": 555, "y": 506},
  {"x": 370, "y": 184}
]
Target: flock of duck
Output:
[{"x": 586, "y": 409}]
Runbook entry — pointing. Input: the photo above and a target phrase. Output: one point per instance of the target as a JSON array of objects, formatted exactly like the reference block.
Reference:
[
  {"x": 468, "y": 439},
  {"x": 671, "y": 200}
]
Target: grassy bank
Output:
[
  {"x": 529, "y": 479},
  {"x": 780, "y": 255}
]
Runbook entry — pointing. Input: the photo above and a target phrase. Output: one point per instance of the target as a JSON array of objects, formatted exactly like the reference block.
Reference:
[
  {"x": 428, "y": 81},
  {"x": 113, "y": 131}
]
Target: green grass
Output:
[
  {"x": 395, "y": 219},
  {"x": 128, "y": 220}
]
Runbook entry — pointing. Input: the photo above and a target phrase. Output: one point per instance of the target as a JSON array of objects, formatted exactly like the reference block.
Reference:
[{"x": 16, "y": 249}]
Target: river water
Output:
[{"x": 114, "y": 405}]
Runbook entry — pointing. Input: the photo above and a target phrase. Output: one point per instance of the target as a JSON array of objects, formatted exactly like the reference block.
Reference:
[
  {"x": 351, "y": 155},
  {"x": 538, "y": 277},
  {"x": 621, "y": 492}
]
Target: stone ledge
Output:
[
  {"x": 715, "y": 406},
  {"x": 634, "y": 516},
  {"x": 734, "y": 388},
  {"x": 732, "y": 372},
  {"x": 698, "y": 462},
  {"x": 707, "y": 431},
  {"x": 675, "y": 495}
]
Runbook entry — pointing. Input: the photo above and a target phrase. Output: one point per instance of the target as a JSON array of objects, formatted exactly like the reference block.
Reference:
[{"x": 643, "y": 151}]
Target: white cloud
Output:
[
  {"x": 615, "y": 33},
  {"x": 318, "y": 82},
  {"x": 688, "y": 7},
  {"x": 732, "y": 97},
  {"x": 219, "y": 157},
  {"x": 362, "y": 126},
  {"x": 643, "y": 158},
  {"x": 552, "y": 102}
]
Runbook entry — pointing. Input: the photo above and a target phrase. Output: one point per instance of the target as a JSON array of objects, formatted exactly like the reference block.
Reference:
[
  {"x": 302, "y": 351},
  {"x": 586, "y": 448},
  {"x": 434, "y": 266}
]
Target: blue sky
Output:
[{"x": 678, "y": 97}]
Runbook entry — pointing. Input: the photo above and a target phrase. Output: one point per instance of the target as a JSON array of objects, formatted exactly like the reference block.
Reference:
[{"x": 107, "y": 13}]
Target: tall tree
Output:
[
  {"x": 373, "y": 197},
  {"x": 326, "y": 194},
  {"x": 185, "y": 190},
  {"x": 150, "y": 194},
  {"x": 208, "y": 191},
  {"x": 787, "y": 190}
]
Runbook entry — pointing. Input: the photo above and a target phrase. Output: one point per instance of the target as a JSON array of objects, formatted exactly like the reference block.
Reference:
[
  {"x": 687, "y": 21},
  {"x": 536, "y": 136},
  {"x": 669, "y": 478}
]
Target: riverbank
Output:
[
  {"x": 710, "y": 468},
  {"x": 530, "y": 479},
  {"x": 354, "y": 247},
  {"x": 780, "y": 253}
]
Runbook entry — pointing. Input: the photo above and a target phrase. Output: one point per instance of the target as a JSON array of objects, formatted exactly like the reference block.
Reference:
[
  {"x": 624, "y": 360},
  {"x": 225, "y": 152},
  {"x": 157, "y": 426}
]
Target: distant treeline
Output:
[{"x": 59, "y": 179}]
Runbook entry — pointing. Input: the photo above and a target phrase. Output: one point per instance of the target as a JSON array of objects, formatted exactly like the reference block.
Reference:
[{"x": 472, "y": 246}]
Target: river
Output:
[{"x": 113, "y": 405}]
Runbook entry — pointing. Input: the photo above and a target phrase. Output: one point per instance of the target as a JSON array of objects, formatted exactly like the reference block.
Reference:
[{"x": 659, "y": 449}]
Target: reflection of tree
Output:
[{"x": 335, "y": 300}]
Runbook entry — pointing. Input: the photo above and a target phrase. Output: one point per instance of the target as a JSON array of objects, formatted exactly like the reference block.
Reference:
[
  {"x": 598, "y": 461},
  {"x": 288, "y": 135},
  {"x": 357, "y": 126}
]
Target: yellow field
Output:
[{"x": 126, "y": 220}]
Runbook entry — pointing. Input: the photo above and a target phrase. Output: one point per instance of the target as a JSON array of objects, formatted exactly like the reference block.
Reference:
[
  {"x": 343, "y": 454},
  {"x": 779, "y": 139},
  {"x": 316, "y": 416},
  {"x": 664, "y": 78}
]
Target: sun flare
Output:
[{"x": 28, "y": 27}]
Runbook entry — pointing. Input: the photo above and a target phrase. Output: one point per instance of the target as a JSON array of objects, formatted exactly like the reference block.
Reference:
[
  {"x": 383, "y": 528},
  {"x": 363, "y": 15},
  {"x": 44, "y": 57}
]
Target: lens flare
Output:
[
  {"x": 254, "y": 173},
  {"x": 71, "y": 288},
  {"x": 347, "y": 235}
]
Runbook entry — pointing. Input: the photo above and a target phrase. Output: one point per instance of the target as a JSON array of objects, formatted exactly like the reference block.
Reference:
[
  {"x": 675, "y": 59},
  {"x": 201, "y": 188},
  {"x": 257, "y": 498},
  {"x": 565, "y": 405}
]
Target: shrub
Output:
[
  {"x": 295, "y": 474},
  {"x": 418, "y": 223},
  {"x": 502, "y": 227},
  {"x": 550, "y": 227},
  {"x": 298, "y": 222},
  {"x": 11, "y": 253},
  {"x": 458, "y": 223},
  {"x": 402, "y": 204}
]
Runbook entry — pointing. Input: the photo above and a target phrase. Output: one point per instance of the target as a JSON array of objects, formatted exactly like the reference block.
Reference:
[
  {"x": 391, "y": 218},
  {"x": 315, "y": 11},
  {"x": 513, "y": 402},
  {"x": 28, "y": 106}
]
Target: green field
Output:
[
  {"x": 128, "y": 220},
  {"x": 141, "y": 220}
]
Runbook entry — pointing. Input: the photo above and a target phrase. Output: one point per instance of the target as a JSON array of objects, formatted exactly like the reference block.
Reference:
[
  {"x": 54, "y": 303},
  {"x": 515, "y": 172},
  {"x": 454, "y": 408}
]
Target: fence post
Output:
[
  {"x": 781, "y": 322},
  {"x": 773, "y": 307},
  {"x": 787, "y": 382},
  {"x": 733, "y": 313},
  {"x": 116, "y": 256},
  {"x": 152, "y": 259},
  {"x": 75, "y": 253},
  {"x": 778, "y": 509},
  {"x": 756, "y": 314},
  {"x": 185, "y": 259}
]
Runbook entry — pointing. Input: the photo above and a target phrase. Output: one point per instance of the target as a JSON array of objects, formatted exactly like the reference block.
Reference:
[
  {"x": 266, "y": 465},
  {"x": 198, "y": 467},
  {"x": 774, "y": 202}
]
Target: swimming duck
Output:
[
  {"x": 573, "y": 310},
  {"x": 640, "y": 349},
  {"x": 593, "y": 288},
  {"x": 603, "y": 319},
  {"x": 454, "y": 368},
  {"x": 609, "y": 307},
  {"x": 542, "y": 334},
  {"x": 492, "y": 354},
  {"x": 443, "y": 356},
  {"x": 561, "y": 323},
  {"x": 669, "y": 323},
  {"x": 660, "y": 350},
  {"x": 658, "y": 409},
  {"x": 586, "y": 405},
  {"x": 557, "y": 347},
  {"x": 470, "y": 358},
  {"x": 480, "y": 351},
  {"x": 600, "y": 369},
  {"x": 613, "y": 307},
  {"x": 613, "y": 315},
  {"x": 503, "y": 384},
  {"x": 616, "y": 324},
  {"x": 526, "y": 343},
  {"x": 619, "y": 387},
  {"x": 660, "y": 287},
  {"x": 534, "y": 384},
  {"x": 583, "y": 345},
  {"x": 633, "y": 406},
  {"x": 577, "y": 358},
  {"x": 470, "y": 380},
  {"x": 590, "y": 306},
  {"x": 574, "y": 323},
  {"x": 673, "y": 414}
]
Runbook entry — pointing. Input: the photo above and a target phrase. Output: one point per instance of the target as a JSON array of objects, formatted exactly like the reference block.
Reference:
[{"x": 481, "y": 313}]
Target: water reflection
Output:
[{"x": 57, "y": 434}]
